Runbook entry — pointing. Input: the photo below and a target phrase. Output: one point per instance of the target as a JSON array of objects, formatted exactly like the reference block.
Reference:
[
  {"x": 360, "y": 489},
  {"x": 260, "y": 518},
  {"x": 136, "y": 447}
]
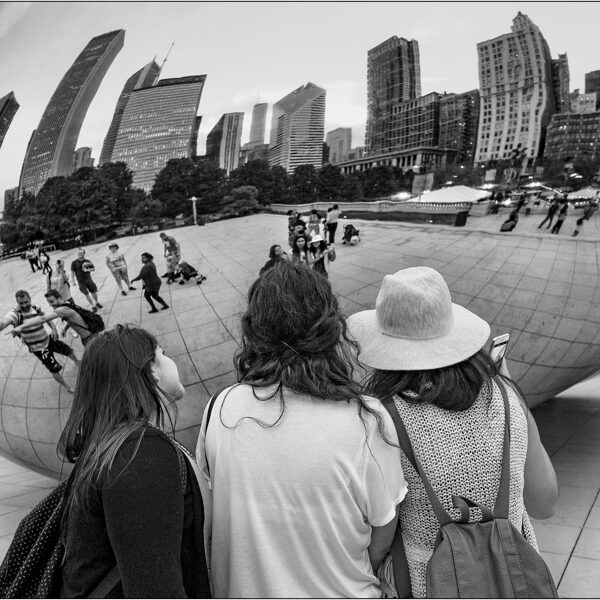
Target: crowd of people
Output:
[
  {"x": 28, "y": 320},
  {"x": 300, "y": 485}
]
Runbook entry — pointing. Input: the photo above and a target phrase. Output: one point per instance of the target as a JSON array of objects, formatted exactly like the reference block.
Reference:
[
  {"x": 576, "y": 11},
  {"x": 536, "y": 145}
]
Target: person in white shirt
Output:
[
  {"x": 117, "y": 265},
  {"x": 332, "y": 222},
  {"x": 304, "y": 470}
]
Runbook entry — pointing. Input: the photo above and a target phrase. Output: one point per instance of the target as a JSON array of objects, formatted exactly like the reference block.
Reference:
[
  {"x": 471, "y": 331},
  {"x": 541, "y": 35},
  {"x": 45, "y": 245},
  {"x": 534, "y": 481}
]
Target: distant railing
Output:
[{"x": 379, "y": 206}]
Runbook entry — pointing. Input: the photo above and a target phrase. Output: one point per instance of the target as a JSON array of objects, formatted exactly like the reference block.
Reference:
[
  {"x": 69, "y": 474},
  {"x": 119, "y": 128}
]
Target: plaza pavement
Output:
[{"x": 230, "y": 254}]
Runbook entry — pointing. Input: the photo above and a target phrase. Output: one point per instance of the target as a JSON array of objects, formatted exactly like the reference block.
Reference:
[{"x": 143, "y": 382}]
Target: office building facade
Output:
[
  {"x": 298, "y": 129},
  {"x": 82, "y": 157},
  {"x": 158, "y": 123},
  {"x": 572, "y": 136},
  {"x": 414, "y": 123},
  {"x": 517, "y": 95},
  {"x": 145, "y": 77},
  {"x": 8, "y": 109},
  {"x": 50, "y": 152},
  {"x": 560, "y": 82},
  {"x": 339, "y": 142},
  {"x": 258, "y": 124},
  {"x": 592, "y": 85},
  {"x": 253, "y": 151},
  {"x": 459, "y": 119},
  {"x": 393, "y": 77},
  {"x": 223, "y": 141}
]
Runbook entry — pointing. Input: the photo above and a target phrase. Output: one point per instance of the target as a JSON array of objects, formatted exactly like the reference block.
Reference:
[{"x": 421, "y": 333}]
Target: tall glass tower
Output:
[
  {"x": 159, "y": 123},
  {"x": 8, "y": 109},
  {"x": 145, "y": 77},
  {"x": 393, "y": 76},
  {"x": 223, "y": 141},
  {"x": 50, "y": 152},
  {"x": 298, "y": 129}
]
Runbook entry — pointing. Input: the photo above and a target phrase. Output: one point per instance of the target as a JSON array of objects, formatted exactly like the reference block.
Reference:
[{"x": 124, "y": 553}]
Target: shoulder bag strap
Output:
[
  {"x": 107, "y": 584},
  {"x": 209, "y": 409},
  {"x": 440, "y": 512},
  {"x": 501, "y": 507}
]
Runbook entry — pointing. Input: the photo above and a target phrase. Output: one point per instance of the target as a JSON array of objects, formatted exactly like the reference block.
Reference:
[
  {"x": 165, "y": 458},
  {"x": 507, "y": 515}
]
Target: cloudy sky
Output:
[{"x": 253, "y": 51}]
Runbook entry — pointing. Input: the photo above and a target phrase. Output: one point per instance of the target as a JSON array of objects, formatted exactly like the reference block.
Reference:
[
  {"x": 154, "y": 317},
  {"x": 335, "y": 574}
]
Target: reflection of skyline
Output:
[{"x": 261, "y": 58}]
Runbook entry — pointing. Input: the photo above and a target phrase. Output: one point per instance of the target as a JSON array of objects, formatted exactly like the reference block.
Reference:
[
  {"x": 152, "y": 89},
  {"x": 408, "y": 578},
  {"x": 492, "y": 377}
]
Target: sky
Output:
[{"x": 260, "y": 51}]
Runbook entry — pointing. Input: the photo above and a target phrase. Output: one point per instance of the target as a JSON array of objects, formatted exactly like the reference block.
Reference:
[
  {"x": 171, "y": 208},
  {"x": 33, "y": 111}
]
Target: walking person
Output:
[
  {"x": 37, "y": 340},
  {"x": 332, "y": 222},
  {"x": 430, "y": 366},
  {"x": 301, "y": 465},
  {"x": 81, "y": 271},
  {"x": 45, "y": 262},
  {"x": 58, "y": 280},
  {"x": 117, "y": 265},
  {"x": 32, "y": 258},
  {"x": 551, "y": 212},
  {"x": 134, "y": 515},
  {"x": 171, "y": 247},
  {"x": 151, "y": 282},
  {"x": 560, "y": 219}
]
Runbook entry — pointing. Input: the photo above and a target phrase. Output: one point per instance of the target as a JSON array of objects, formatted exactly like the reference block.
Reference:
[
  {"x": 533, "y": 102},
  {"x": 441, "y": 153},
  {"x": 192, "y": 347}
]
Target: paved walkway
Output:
[{"x": 569, "y": 424}]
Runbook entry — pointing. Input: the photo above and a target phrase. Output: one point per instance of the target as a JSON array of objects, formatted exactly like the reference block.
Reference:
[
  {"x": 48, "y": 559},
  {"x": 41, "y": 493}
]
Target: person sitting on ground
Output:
[
  {"x": 135, "y": 508},
  {"x": 299, "y": 249},
  {"x": 60, "y": 310},
  {"x": 37, "y": 340},
  {"x": 430, "y": 365},
  {"x": 511, "y": 222},
  {"x": 301, "y": 465},
  {"x": 276, "y": 255},
  {"x": 151, "y": 281},
  {"x": 116, "y": 263}
]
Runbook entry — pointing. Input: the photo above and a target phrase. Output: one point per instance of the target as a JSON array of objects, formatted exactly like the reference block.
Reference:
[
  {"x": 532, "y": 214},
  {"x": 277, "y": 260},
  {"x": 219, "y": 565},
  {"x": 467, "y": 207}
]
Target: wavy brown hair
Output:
[
  {"x": 454, "y": 388},
  {"x": 294, "y": 336}
]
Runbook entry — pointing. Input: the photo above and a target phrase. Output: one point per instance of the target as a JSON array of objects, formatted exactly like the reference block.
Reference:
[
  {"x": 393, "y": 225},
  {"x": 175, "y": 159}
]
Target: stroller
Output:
[
  {"x": 186, "y": 271},
  {"x": 351, "y": 235}
]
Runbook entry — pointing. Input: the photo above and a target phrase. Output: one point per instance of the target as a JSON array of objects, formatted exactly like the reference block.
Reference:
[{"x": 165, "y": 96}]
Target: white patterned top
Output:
[{"x": 461, "y": 453}]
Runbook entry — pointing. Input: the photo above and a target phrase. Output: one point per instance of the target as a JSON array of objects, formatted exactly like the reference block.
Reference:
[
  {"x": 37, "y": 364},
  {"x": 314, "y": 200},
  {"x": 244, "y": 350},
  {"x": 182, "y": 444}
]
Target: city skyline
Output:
[{"x": 242, "y": 71}]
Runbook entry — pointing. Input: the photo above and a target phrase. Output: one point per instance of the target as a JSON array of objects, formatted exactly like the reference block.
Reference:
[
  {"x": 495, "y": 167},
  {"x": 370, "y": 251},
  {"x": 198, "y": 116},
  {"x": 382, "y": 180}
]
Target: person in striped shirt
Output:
[{"x": 42, "y": 345}]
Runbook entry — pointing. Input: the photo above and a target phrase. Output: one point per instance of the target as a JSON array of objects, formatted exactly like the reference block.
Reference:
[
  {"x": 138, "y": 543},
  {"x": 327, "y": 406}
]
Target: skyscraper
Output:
[
  {"x": 298, "y": 128},
  {"x": 223, "y": 141},
  {"x": 340, "y": 142},
  {"x": 393, "y": 76},
  {"x": 82, "y": 157},
  {"x": 592, "y": 84},
  {"x": 8, "y": 109},
  {"x": 145, "y": 77},
  {"x": 561, "y": 81},
  {"x": 259, "y": 123},
  {"x": 50, "y": 152},
  {"x": 517, "y": 95},
  {"x": 158, "y": 123},
  {"x": 459, "y": 118}
]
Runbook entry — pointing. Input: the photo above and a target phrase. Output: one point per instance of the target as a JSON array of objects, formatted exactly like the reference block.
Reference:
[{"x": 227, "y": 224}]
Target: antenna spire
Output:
[{"x": 167, "y": 56}]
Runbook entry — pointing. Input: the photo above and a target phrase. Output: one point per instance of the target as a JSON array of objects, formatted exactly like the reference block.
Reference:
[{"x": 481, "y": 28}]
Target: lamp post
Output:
[{"x": 193, "y": 201}]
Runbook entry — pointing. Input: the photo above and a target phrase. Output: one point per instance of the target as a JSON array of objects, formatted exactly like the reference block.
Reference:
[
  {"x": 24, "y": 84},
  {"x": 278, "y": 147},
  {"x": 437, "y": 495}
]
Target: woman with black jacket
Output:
[
  {"x": 134, "y": 503},
  {"x": 151, "y": 281}
]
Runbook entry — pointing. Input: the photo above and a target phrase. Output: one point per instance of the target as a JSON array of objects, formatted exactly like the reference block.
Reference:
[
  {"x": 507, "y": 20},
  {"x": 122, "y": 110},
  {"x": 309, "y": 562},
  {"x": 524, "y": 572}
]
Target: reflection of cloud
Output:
[{"x": 10, "y": 14}]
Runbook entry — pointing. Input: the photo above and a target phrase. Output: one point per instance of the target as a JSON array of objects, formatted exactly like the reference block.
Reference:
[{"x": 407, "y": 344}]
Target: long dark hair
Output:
[
  {"x": 454, "y": 388},
  {"x": 321, "y": 247},
  {"x": 295, "y": 249},
  {"x": 272, "y": 254},
  {"x": 295, "y": 336},
  {"x": 115, "y": 397}
]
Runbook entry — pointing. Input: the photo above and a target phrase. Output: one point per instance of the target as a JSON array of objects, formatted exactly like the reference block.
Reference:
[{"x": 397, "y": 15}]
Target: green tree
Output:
[
  {"x": 378, "y": 181},
  {"x": 255, "y": 173},
  {"x": 145, "y": 212},
  {"x": 116, "y": 179},
  {"x": 329, "y": 183},
  {"x": 280, "y": 189},
  {"x": 351, "y": 189},
  {"x": 241, "y": 200},
  {"x": 303, "y": 185}
]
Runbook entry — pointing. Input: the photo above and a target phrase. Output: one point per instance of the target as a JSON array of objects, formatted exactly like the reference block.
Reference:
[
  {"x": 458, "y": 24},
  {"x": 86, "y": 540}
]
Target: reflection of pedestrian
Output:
[
  {"x": 59, "y": 280},
  {"x": 551, "y": 212},
  {"x": 45, "y": 262},
  {"x": 32, "y": 258},
  {"x": 81, "y": 270},
  {"x": 511, "y": 222},
  {"x": 115, "y": 261},
  {"x": 151, "y": 281},
  {"x": 562, "y": 215},
  {"x": 579, "y": 226},
  {"x": 332, "y": 222},
  {"x": 171, "y": 246}
]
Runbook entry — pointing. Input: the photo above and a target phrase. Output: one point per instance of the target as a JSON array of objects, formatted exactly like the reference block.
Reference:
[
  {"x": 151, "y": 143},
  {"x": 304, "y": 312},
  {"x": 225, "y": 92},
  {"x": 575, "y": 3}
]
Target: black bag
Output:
[
  {"x": 508, "y": 225},
  {"x": 484, "y": 559},
  {"x": 31, "y": 567},
  {"x": 93, "y": 322}
]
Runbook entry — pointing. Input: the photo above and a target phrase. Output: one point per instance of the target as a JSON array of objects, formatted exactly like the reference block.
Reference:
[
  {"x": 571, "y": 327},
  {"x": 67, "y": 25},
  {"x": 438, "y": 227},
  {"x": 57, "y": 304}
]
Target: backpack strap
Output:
[
  {"x": 440, "y": 512},
  {"x": 501, "y": 507}
]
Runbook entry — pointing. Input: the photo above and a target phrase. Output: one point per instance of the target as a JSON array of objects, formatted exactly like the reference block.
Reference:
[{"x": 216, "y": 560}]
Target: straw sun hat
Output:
[{"x": 415, "y": 326}]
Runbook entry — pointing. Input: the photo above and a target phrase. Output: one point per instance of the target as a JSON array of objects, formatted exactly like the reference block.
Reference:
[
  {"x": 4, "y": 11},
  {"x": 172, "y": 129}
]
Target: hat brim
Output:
[{"x": 380, "y": 351}]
